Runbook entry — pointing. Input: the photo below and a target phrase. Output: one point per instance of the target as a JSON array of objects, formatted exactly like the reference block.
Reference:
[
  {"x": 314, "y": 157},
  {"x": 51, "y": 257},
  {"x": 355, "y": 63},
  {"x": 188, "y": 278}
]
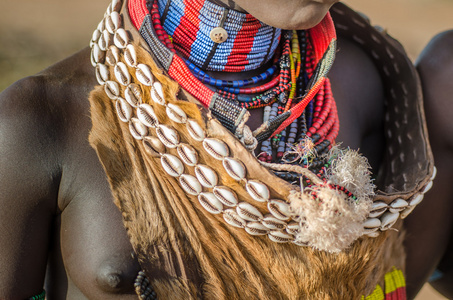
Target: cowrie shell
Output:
[
  {"x": 112, "y": 56},
  {"x": 388, "y": 220},
  {"x": 122, "y": 74},
  {"x": 216, "y": 148},
  {"x": 153, "y": 146},
  {"x": 188, "y": 154},
  {"x": 256, "y": 228},
  {"x": 195, "y": 130},
  {"x": 397, "y": 205},
  {"x": 133, "y": 94},
  {"x": 176, "y": 114},
  {"x": 113, "y": 22},
  {"x": 190, "y": 184},
  {"x": 116, "y": 5},
  {"x": 157, "y": 93},
  {"x": 93, "y": 62},
  {"x": 172, "y": 165},
  {"x": 273, "y": 223},
  {"x": 378, "y": 208},
  {"x": 96, "y": 35},
  {"x": 137, "y": 129},
  {"x": 293, "y": 228},
  {"x": 105, "y": 40},
  {"x": 300, "y": 243},
  {"x": 234, "y": 168},
  {"x": 124, "y": 110},
  {"x": 248, "y": 212},
  {"x": 257, "y": 190},
  {"x": 434, "y": 174},
  {"x": 210, "y": 203},
  {"x": 367, "y": 231},
  {"x": 279, "y": 209},
  {"x": 147, "y": 116},
  {"x": 232, "y": 218},
  {"x": 207, "y": 176},
  {"x": 109, "y": 26},
  {"x": 373, "y": 234},
  {"x": 130, "y": 56},
  {"x": 371, "y": 223},
  {"x": 109, "y": 10},
  {"x": 280, "y": 237},
  {"x": 427, "y": 187},
  {"x": 102, "y": 73},
  {"x": 416, "y": 199},
  {"x": 168, "y": 136},
  {"x": 226, "y": 196},
  {"x": 121, "y": 38},
  {"x": 101, "y": 25},
  {"x": 112, "y": 89},
  {"x": 144, "y": 75},
  {"x": 97, "y": 55},
  {"x": 407, "y": 212}
]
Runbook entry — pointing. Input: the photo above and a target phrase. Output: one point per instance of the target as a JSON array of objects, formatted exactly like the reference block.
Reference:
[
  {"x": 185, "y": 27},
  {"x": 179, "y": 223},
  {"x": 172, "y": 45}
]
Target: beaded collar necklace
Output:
[
  {"x": 216, "y": 38},
  {"x": 320, "y": 132},
  {"x": 232, "y": 116}
]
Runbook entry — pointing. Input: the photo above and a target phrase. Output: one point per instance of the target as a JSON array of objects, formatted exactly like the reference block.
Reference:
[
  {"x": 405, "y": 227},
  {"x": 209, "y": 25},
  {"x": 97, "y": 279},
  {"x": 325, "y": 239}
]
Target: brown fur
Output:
[{"x": 189, "y": 253}]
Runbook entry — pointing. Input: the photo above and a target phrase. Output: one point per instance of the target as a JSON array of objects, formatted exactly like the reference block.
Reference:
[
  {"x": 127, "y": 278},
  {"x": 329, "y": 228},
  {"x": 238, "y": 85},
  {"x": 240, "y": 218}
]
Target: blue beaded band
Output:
[{"x": 205, "y": 78}]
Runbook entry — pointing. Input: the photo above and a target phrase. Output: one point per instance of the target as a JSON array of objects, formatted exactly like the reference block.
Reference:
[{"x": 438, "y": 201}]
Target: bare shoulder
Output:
[
  {"x": 41, "y": 96},
  {"x": 36, "y": 114},
  {"x": 435, "y": 67}
]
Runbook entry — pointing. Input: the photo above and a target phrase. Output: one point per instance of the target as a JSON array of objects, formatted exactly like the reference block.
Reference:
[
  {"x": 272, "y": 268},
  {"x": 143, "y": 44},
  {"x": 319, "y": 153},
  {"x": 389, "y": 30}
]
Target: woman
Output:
[{"x": 180, "y": 164}]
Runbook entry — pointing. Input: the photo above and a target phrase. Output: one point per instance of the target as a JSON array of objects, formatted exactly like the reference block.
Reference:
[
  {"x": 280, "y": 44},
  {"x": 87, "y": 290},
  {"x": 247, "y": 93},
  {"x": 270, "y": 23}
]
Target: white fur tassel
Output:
[{"x": 331, "y": 221}]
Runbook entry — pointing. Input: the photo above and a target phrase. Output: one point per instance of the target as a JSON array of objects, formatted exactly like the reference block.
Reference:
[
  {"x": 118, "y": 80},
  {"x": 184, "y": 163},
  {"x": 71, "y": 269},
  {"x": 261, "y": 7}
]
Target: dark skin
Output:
[
  {"x": 57, "y": 209},
  {"x": 435, "y": 66}
]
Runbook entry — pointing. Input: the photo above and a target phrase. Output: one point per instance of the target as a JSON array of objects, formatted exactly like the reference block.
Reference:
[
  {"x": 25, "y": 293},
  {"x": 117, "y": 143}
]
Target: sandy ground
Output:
[{"x": 35, "y": 34}]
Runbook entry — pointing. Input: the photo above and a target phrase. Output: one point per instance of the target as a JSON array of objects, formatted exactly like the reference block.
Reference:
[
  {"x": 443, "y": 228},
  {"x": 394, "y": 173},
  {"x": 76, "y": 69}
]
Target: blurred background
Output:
[{"x": 35, "y": 34}]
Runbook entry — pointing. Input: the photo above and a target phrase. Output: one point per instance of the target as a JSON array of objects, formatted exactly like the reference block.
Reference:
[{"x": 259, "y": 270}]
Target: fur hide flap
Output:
[{"x": 189, "y": 253}]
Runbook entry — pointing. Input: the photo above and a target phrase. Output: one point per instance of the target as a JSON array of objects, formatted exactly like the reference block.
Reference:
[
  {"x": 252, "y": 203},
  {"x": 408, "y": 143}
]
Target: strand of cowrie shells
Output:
[
  {"x": 280, "y": 225},
  {"x": 235, "y": 213}
]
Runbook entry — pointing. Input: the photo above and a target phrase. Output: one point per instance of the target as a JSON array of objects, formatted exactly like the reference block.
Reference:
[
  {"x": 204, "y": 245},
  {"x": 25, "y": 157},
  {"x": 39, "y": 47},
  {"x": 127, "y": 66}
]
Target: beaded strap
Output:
[
  {"x": 143, "y": 287},
  {"x": 40, "y": 296}
]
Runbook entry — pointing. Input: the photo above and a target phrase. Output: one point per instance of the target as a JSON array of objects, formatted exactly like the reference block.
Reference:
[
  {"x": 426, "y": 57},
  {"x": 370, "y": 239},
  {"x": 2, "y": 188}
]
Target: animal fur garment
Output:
[{"x": 188, "y": 253}]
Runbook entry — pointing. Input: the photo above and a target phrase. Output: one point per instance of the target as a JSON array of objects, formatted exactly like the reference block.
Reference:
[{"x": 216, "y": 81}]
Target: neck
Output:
[
  {"x": 249, "y": 45},
  {"x": 229, "y": 4}
]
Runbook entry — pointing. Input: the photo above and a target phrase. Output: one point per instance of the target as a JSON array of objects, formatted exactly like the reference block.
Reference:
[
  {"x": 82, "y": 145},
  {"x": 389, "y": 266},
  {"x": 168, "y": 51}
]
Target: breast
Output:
[{"x": 95, "y": 247}]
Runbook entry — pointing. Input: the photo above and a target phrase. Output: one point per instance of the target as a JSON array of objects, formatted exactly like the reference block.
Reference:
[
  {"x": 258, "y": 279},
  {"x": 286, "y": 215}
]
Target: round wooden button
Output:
[{"x": 218, "y": 35}]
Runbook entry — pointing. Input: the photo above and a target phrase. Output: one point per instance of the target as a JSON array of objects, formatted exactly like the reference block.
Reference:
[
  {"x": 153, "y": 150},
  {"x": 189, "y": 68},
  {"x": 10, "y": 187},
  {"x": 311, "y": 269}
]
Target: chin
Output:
[
  {"x": 305, "y": 19},
  {"x": 288, "y": 14}
]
